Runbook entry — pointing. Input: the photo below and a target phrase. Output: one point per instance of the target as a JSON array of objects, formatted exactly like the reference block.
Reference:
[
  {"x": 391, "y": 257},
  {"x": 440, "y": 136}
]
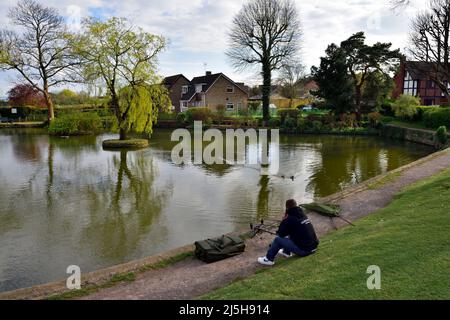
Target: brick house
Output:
[
  {"x": 175, "y": 84},
  {"x": 211, "y": 91},
  {"x": 414, "y": 78}
]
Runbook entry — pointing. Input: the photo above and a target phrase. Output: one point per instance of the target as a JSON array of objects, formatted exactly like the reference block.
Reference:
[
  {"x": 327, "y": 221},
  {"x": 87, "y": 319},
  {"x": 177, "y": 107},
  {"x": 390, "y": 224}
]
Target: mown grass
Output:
[{"x": 409, "y": 240}]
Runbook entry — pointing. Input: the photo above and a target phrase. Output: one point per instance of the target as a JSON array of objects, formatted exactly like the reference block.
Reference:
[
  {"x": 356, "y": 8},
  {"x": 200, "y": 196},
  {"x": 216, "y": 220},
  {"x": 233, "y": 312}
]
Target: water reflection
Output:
[{"x": 67, "y": 201}]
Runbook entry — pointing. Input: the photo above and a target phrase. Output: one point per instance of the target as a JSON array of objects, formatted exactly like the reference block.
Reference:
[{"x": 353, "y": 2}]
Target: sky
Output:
[{"x": 196, "y": 30}]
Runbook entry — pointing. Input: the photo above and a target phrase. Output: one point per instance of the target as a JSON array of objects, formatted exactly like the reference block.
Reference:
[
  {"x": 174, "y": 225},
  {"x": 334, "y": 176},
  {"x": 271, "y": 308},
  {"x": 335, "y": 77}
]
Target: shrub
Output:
[
  {"x": 421, "y": 112},
  {"x": 291, "y": 113},
  {"x": 76, "y": 124},
  {"x": 406, "y": 106},
  {"x": 374, "y": 119},
  {"x": 274, "y": 122},
  {"x": 289, "y": 123},
  {"x": 441, "y": 135},
  {"x": 349, "y": 120},
  {"x": 198, "y": 114},
  {"x": 301, "y": 125},
  {"x": 220, "y": 113},
  {"x": 437, "y": 117},
  {"x": 181, "y": 119},
  {"x": 317, "y": 126}
]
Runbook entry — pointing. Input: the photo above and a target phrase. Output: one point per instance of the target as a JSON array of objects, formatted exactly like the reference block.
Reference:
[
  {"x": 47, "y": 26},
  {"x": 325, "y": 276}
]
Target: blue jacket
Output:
[{"x": 299, "y": 229}]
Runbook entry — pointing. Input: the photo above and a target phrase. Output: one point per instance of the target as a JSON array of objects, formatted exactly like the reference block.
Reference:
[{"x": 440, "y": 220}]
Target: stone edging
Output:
[{"x": 104, "y": 275}]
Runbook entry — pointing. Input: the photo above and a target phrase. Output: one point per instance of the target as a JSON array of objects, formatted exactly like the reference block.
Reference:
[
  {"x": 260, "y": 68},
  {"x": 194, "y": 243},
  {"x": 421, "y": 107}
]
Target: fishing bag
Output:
[{"x": 213, "y": 250}]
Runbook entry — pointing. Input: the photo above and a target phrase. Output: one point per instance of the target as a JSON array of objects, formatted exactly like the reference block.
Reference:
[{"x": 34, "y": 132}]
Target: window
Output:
[
  {"x": 230, "y": 106},
  {"x": 430, "y": 84},
  {"x": 239, "y": 105},
  {"x": 230, "y": 89},
  {"x": 410, "y": 86},
  {"x": 184, "y": 89},
  {"x": 184, "y": 106},
  {"x": 198, "y": 88}
]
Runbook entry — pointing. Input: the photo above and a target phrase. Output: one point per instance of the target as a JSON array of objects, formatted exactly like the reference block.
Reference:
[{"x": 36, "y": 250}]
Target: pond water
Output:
[{"x": 68, "y": 202}]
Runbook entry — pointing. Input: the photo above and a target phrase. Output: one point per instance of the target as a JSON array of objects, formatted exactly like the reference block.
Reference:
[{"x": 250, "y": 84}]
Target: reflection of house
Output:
[
  {"x": 211, "y": 91},
  {"x": 175, "y": 84},
  {"x": 414, "y": 78}
]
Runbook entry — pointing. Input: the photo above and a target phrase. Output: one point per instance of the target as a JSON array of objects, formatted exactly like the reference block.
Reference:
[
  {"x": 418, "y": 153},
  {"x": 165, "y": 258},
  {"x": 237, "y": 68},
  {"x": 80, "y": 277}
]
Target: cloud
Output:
[{"x": 197, "y": 29}]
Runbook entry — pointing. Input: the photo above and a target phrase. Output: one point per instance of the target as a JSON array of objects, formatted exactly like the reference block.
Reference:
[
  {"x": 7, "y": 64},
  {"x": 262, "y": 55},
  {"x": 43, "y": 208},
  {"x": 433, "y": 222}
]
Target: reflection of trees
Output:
[
  {"x": 263, "y": 197},
  {"x": 123, "y": 209},
  {"x": 344, "y": 162}
]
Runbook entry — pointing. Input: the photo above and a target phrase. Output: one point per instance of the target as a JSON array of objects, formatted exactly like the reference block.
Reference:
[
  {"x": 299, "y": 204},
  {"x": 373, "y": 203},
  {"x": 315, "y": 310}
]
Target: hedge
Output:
[
  {"x": 76, "y": 124},
  {"x": 291, "y": 113},
  {"x": 198, "y": 114},
  {"x": 437, "y": 117}
]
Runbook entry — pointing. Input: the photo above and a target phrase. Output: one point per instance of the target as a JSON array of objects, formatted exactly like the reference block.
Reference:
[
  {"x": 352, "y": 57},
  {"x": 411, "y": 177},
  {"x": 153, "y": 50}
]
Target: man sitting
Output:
[{"x": 296, "y": 235}]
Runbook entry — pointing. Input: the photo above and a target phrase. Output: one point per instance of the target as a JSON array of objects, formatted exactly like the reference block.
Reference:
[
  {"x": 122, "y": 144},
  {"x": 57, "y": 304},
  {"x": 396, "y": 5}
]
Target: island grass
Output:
[{"x": 409, "y": 240}]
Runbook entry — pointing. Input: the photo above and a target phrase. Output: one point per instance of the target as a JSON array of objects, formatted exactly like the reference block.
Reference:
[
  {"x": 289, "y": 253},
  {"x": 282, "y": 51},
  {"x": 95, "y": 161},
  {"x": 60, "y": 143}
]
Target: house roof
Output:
[
  {"x": 170, "y": 81},
  {"x": 207, "y": 81},
  {"x": 420, "y": 69}
]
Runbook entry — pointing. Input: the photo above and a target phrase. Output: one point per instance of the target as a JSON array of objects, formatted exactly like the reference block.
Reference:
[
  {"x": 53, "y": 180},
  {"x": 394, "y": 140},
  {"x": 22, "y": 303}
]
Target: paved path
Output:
[{"x": 191, "y": 278}]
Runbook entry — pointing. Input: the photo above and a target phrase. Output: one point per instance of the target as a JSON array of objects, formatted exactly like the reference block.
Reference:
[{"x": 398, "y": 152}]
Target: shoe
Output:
[
  {"x": 281, "y": 253},
  {"x": 265, "y": 261}
]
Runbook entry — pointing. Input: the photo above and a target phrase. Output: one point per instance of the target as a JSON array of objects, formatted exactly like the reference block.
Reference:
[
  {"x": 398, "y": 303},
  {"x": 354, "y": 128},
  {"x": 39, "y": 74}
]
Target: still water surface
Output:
[{"x": 68, "y": 202}]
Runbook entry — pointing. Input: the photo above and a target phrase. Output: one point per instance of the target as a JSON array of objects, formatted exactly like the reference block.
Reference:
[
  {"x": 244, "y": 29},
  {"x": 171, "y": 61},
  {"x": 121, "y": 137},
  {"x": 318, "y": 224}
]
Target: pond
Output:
[{"x": 68, "y": 202}]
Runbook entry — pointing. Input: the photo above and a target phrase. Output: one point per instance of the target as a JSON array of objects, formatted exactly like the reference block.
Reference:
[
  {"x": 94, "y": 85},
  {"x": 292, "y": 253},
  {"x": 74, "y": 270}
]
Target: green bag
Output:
[{"x": 212, "y": 250}]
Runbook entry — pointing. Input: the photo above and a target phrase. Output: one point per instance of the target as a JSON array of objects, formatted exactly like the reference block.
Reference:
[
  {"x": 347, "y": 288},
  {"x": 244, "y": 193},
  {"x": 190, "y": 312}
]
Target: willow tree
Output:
[{"x": 124, "y": 58}]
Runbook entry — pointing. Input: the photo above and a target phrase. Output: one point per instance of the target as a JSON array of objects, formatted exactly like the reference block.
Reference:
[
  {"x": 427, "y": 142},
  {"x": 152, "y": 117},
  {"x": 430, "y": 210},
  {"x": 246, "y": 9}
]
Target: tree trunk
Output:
[
  {"x": 50, "y": 108},
  {"x": 358, "y": 98},
  {"x": 123, "y": 134},
  {"x": 266, "y": 90}
]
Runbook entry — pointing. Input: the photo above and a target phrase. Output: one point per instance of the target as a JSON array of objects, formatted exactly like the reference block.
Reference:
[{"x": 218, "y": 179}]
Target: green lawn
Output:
[{"x": 409, "y": 240}]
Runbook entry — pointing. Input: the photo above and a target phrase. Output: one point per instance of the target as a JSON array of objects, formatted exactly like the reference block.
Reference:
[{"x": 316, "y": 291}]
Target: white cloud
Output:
[{"x": 197, "y": 29}]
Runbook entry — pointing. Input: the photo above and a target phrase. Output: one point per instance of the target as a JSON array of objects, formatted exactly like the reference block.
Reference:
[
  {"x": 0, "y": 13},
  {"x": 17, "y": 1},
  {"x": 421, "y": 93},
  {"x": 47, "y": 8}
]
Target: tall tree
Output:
[
  {"x": 430, "y": 42},
  {"x": 41, "y": 52},
  {"x": 362, "y": 60},
  {"x": 290, "y": 78},
  {"x": 334, "y": 82},
  {"x": 124, "y": 58},
  {"x": 265, "y": 32}
]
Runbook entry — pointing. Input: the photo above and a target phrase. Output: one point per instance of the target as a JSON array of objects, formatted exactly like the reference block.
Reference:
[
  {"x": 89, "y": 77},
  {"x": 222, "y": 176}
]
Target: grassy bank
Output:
[{"x": 408, "y": 240}]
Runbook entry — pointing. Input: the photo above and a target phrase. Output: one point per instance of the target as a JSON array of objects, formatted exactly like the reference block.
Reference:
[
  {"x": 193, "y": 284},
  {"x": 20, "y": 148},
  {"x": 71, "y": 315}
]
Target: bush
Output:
[
  {"x": 220, "y": 113},
  {"x": 289, "y": 123},
  {"x": 406, "y": 106},
  {"x": 291, "y": 113},
  {"x": 421, "y": 112},
  {"x": 274, "y": 122},
  {"x": 181, "y": 119},
  {"x": 374, "y": 119},
  {"x": 198, "y": 114},
  {"x": 76, "y": 124},
  {"x": 441, "y": 135},
  {"x": 436, "y": 117}
]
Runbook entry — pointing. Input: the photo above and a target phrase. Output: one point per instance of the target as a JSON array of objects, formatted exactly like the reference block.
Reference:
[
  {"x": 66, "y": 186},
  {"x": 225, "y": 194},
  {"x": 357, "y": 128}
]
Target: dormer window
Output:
[
  {"x": 184, "y": 89},
  {"x": 230, "y": 89}
]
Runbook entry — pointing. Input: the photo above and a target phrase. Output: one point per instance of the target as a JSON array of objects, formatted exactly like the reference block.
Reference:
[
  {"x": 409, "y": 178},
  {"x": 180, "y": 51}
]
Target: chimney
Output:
[{"x": 208, "y": 73}]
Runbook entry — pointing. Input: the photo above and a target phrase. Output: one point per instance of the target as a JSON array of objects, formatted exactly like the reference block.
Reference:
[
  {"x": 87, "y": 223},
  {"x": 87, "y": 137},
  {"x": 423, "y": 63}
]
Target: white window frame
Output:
[
  {"x": 230, "y": 87},
  {"x": 228, "y": 106},
  {"x": 184, "y": 89},
  {"x": 183, "y": 106}
]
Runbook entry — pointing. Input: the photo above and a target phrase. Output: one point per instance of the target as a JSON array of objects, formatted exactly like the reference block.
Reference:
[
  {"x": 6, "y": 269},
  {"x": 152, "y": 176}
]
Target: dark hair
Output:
[{"x": 291, "y": 204}]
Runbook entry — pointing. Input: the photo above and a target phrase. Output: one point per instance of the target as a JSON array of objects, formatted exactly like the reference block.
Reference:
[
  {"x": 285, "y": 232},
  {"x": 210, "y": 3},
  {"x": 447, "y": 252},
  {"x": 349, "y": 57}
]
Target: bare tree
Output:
[
  {"x": 396, "y": 4},
  {"x": 265, "y": 32},
  {"x": 41, "y": 53},
  {"x": 430, "y": 38},
  {"x": 290, "y": 79}
]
